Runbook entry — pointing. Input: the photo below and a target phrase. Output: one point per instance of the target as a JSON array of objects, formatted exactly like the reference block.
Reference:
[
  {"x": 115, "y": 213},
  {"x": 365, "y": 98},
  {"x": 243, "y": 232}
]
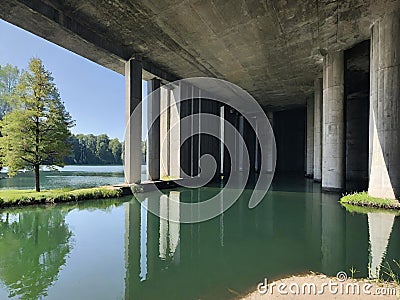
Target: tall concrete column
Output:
[
  {"x": 175, "y": 134},
  {"x": 153, "y": 136},
  {"x": 133, "y": 136},
  {"x": 164, "y": 136},
  {"x": 333, "y": 122},
  {"x": 270, "y": 140},
  {"x": 384, "y": 133},
  {"x": 310, "y": 138},
  {"x": 318, "y": 129}
]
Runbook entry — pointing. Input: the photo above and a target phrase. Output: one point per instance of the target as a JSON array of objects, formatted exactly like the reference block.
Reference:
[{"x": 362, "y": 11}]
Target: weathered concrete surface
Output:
[
  {"x": 333, "y": 122},
  {"x": 133, "y": 133},
  {"x": 153, "y": 136},
  {"x": 310, "y": 138},
  {"x": 270, "y": 48},
  {"x": 384, "y": 159},
  {"x": 357, "y": 83},
  {"x": 318, "y": 129}
]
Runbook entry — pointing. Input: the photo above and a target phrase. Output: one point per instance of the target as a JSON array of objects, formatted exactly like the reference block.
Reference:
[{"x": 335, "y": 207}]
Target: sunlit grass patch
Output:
[
  {"x": 28, "y": 197},
  {"x": 365, "y": 202}
]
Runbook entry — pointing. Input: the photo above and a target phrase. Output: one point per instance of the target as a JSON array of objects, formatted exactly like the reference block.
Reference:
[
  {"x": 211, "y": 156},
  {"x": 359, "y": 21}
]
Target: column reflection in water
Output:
[
  {"x": 380, "y": 227},
  {"x": 333, "y": 234},
  {"x": 313, "y": 222},
  {"x": 169, "y": 230},
  {"x": 151, "y": 243}
]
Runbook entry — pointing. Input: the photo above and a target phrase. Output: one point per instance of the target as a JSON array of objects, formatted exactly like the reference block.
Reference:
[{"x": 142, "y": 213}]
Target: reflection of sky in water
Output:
[{"x": 69, "y": 177}]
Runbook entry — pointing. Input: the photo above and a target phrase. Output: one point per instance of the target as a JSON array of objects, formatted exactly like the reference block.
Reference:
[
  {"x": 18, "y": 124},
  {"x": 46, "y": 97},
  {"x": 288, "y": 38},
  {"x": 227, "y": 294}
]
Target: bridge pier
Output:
[
  {"x": 318, "y": 130},
  {"x": 333, "y": 122},
  {"x": 133, "y": 135},
  {"x": 310, "y": 138},
  {"x": 384, "y": 131},
  {"x": 153, "y": 137}
]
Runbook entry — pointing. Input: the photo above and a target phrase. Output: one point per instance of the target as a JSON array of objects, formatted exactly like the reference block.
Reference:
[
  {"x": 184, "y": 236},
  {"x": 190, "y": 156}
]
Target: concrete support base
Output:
[{"x": 333, "y": 122}]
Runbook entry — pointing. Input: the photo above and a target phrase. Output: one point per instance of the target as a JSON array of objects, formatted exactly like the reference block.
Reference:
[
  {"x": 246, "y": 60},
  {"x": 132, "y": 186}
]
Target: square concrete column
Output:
[
  {"x": 310, "y": 138},
  {"x": 153, "y": 134},
  {"x": 384, "y": 133},
  {"x": 318, "y": 129},
  {"x": 175, "y": 134},
  {"x": 164, "y": 128},
  {"x": 133, "y": 135},
  {"x": 333, "y": 122}
]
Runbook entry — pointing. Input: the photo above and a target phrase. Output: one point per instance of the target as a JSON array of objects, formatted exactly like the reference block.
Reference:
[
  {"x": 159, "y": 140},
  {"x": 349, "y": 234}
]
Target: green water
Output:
[
  {"x": 68, "y": 177},
  {"x": 115, "y": 249}
]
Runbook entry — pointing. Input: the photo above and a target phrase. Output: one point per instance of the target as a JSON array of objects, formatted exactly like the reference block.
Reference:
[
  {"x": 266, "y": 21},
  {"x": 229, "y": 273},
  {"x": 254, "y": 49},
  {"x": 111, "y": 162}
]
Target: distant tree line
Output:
[{"x": 90, "y": 149}]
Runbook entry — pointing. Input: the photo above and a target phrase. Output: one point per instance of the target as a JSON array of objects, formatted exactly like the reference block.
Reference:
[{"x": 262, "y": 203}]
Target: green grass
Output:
[
  {"x": 29, "y": 197},
  {"x": 366, "y": 201}
]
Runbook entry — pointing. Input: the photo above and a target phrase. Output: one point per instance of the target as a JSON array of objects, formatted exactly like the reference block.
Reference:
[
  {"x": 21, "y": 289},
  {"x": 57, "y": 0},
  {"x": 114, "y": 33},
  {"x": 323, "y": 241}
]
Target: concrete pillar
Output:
[
  {"x": 133, "y": 136},
  {"x": 384, "y": 133},
  {"x": 318, "y": 130},
  {"x": 175, "y": 134},
  {"x": 333, "y": 122},
  {"x": 153, "y": 136},
  {"x": 310, "y": 138},
  {"x": 270, "y": 146},
  {"x": 186, "y": 131},
  {"x": 164, "y": 136}
]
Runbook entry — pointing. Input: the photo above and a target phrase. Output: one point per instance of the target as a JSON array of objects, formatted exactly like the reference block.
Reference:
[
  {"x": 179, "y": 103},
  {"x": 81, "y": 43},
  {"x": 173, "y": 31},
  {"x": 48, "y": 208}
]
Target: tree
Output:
[
  {"x": 116, "y": 150},
  {"x": 9, "y": 78},
  {"x": 102, "y": 149},
  {"x": 36, "y": 132}
]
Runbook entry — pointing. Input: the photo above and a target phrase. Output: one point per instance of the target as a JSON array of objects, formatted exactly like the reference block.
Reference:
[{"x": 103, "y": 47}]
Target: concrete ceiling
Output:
[{"x": 271, "y": 48}]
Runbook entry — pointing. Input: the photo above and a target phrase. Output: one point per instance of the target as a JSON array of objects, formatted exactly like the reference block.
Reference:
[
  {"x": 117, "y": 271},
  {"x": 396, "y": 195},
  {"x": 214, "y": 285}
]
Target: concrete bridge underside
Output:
[{"x": 286, "y": 54}]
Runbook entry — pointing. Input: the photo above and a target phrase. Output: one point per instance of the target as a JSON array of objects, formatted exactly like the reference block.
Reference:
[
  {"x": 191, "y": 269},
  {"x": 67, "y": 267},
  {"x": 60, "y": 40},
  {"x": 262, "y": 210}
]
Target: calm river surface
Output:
[
  {"x": 115, "y": 249},
  {"x": 69, "y": 177}
]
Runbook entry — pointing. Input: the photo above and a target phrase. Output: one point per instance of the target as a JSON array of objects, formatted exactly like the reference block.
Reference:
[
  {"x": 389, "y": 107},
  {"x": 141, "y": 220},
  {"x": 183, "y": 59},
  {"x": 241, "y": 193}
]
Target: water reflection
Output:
[
  {"x": 290, "y": 232},
  {"x": 34, "y": 245},
  {"x": 380, "y": 227}
]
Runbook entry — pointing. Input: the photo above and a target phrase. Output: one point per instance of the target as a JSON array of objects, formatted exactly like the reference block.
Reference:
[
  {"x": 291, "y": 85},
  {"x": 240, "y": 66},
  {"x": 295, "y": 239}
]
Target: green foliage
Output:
[
  {"x": 28, "y": 197},
  {"x": 9, "y": 79},
  {"x": 365, "y": 200},
  {"x": 36, "y": 132},
  {"x": 95, "y": 150}
]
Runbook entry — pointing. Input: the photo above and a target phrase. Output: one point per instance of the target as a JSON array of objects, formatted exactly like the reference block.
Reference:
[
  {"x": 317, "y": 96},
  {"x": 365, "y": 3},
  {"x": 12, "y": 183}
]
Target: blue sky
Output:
[{"x": 94, "y": 95}]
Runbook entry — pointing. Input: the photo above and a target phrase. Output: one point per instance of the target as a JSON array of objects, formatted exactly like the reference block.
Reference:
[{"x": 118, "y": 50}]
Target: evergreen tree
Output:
[{"x": 37, "y": 132}]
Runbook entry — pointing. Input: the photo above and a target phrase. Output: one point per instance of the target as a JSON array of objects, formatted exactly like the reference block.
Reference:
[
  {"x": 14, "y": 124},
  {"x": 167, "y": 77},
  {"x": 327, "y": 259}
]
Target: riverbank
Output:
[
  {"x": 326, "y": 288},
  {"x": 365, "y": 200},
  {"x": 10, "y": 198}
]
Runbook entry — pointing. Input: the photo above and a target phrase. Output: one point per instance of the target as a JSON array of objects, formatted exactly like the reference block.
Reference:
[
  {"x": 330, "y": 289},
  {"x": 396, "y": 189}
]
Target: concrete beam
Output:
[
  {"x": 384, "y": 153},
  {"x": 333, "y": 122}
]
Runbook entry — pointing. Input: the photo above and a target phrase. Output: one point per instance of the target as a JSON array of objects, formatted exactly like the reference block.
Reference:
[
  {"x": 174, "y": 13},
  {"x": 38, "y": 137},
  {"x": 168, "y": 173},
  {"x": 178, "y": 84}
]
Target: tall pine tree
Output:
[{"x": 36, "y": 133}]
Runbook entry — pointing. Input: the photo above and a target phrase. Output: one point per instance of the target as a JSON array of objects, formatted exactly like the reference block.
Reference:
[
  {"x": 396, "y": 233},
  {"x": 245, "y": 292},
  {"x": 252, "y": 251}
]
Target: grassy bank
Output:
[
  {"x": 29, "y": 197},
  {"x": 365, "y": 200}
]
